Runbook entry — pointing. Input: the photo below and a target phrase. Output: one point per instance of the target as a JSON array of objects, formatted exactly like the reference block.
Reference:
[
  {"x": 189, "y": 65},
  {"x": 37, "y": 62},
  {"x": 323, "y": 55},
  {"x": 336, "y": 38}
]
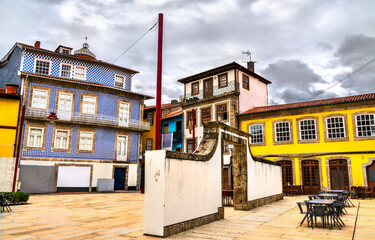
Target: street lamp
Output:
[{"x": 52, "y": 117}]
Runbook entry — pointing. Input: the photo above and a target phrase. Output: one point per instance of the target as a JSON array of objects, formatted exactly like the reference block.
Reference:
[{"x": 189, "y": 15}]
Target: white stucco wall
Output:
[{"x": 7, "y": 165}]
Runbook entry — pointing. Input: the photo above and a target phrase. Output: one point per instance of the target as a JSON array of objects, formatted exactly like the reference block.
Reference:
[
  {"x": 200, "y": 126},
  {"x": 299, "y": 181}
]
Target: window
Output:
[
  {"x": 365, "y": 125},
  {"x": 195, "y": 88},
  {"x": 123, "y": 114},
  {"x": 88, "y": 105},
  {"x": 65, "y": 51},
  {"x": 149, "y": 144},
  {"x": 42, "y": 67},
  {"x": 226, "y": 148},
  {"x": 223, "y": 80},
  {"x": 189, "y": 146},
  {"x": 206, "y": 115},
  {"x": 65, "y": 105},
  {"x": 39, "y": 98},
  {"x": 80, "y": 73},
  {"x": 122, "y": 147},
  {"x": 119, "y": 81},
  {"x": 86, "y": 141},
  {"x": 150, "y": 118},
  {"x": 61, "y": 139},
  {"x": 245, "y": 82},
  {"x": 221, "y": 112},
  {"x": 256, "y": 132},
  {"x": 189, "y": 118},
  {"x": 282, "y": 132},
  {"x": 66, "y": 71},
  {"x": 35, "y": 137},
  {"x": 307, "y": 129},
  {"x": 335, "y": 127}
]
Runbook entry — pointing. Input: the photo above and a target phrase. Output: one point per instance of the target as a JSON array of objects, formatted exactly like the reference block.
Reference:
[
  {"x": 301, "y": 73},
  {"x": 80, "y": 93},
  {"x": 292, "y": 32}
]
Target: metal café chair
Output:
[
  {"x": 321, "y": 211},
  {"x": 304, "y": 212}
]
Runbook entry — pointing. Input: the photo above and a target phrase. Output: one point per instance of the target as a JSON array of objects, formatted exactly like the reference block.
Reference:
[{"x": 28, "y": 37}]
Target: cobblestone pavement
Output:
[{"x": 120, "y": 216}]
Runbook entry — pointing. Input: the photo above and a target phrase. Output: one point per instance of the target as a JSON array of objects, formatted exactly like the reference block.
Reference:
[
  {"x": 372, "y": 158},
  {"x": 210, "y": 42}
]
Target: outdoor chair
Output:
[
  {"x": 311, "y": 197},
  {"x": 348, "y": 203},
  {"x": 368, "y": 193},
  {"x": 322, "y": 212},
  {"x": 304, "y": 212},
  {"x": 4, "y": 203},
  {"x": 335, "y": 213}
]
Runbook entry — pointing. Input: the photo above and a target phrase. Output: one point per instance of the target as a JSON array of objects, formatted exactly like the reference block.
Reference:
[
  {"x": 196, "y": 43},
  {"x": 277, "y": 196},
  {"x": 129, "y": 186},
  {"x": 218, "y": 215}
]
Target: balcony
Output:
[
  {"x": 99, "y": 119},
  {"x": 233, "y": 86}
]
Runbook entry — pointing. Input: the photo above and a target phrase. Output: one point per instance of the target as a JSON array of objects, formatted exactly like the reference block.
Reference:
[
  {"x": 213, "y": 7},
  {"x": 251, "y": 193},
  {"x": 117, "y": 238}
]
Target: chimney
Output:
[
  {"x": 250, "y": 65},
  {"x": 174, "y": 101},
  {"x": 11, "y": 88},
  {"x": 37, "y": 44}
]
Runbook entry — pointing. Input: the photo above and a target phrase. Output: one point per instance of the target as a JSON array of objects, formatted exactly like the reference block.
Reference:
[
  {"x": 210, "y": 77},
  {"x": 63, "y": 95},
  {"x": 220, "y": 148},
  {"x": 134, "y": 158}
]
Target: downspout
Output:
[{"x": 19, "y": 147}]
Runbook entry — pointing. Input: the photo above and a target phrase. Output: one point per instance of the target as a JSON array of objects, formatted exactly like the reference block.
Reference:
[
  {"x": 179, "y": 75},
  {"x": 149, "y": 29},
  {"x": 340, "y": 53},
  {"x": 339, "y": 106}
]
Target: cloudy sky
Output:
[{"x": 302, "y": 46}]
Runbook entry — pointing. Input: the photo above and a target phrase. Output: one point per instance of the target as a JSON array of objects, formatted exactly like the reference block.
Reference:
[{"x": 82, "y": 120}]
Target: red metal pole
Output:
[
  {"x": 158, "y": 84},
  {"x": 193, "y": 116},
  {"x": 18, "y": 147}
]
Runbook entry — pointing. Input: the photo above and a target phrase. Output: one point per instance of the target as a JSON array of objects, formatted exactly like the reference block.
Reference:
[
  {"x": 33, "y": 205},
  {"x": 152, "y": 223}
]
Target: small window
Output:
[
  {"x": 189, "y": 146},
  {"x": 245, "y": 81},
  {"x": 80, "y": 73},
  {"x": 365, "y": 124},
  {"x": 195, "y": 88},
  {"x": 61, "y": 139},
  {"x": 86, "y": 141},
  {"x": 65, "y": 51},
  {"x": 119, "y": 81},
  {"x": 226, "y": 148},
  {"x": 206, "y": 115},
  {"x": 150, "y": 118},
  {"x": 39, "y": 99},
  {"x": 307, "y": 129},
  {"x": 35, "y": 137},
  {"x": 335, "y": 127},
  {"x": 88, "y": 105},
  {"x": 223, "y": 80},
  {"x": 256, "y": 132},
  {"x": 122, "y": 147},
  {"x": 282, "y": 132},
  {"x": 42, "y": 67},
  {"x": 221, "y": 112},
  {"x": 149, "y": 144},
  {"x": 66, "y": 71}
]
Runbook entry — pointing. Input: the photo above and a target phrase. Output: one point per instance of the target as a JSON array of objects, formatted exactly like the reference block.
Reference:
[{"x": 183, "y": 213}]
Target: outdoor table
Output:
[
  {"x": 335, "y": 191},
  {"x": 328, "y": 195},
  {"x": 321, "y": 201}
]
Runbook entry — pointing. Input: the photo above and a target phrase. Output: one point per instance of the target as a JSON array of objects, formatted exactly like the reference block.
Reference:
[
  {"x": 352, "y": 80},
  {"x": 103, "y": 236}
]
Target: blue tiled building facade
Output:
[{"x": 96, "y": 137}]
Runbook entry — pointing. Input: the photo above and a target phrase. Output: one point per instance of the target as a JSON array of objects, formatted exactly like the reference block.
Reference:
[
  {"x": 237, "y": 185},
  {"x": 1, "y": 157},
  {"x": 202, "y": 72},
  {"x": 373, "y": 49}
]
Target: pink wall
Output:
[{"x": 255, "y": 97}]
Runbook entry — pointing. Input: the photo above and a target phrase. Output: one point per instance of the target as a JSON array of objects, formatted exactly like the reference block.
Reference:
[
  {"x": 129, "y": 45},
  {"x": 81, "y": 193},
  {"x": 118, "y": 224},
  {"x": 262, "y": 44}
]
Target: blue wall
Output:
[
  {"x": 172, "y": 128},
  {"x": 8, "y": 72},
  {"x": 94, "y": 73}
]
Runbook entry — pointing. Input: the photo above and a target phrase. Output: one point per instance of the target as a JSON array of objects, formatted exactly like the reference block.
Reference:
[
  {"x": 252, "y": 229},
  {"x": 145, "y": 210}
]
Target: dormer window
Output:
[
  {"x": 66, "y": 70},
  {"x": 63, "y": 49},
  {"x": 42, "y": 66},
  {"x": 119, "y": 81},
  {"x": 80, "y": 73}
]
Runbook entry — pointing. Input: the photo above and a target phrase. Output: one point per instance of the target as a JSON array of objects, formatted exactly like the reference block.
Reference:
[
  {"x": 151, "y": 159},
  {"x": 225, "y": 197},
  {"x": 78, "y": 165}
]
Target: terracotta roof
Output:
[
  {"x": 85, "y": 82},
  {"x": 227, "y": 67},
  {"x": 167, "y": 105},
  {"x": 172, "y": 115},
  {"x": 315, "y": 103},
  {"x": 74, "y": 57}
]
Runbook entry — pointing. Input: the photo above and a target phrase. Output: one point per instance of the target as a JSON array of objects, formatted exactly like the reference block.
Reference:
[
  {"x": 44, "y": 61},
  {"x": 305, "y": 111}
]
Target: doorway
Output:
[
  {"x": 370, "y": 171},
  {"x": 208, "y": 88},
  {"x": 120, "y": 177},
  {"x": 338, "y": 170},
  {"x": 310, "y": 176}
]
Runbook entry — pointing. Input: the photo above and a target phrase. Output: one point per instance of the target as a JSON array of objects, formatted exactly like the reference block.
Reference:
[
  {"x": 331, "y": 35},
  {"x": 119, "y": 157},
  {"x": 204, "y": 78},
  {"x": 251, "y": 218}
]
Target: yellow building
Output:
[
  {"x": 9, "y": 113},
  {"x": 322, "y": 144}
]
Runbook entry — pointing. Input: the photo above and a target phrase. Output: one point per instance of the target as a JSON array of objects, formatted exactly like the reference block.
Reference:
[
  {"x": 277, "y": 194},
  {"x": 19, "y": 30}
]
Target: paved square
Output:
[{"x": 120, "y": 216}]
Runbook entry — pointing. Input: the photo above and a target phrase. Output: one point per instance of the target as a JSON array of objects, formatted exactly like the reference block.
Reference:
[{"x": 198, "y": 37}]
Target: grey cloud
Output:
[{"x": 324, "y": 46}]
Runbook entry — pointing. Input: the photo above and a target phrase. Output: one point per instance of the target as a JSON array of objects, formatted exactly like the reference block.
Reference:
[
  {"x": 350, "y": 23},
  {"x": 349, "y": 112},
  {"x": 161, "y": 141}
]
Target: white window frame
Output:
[
  {"x": 124, "y": 121},
  {"x": 61, "y": 70},
  {"x": 280, "y": 132},
  {"x": 33, "y": 99},
  {"x": 305, "y": 131},
  {"x": 123, "y": 82},
  {"x": 122, "y": 154},
  {"x": 84, "y": 74},
  {"x": 91, "y": 139},
  {"x": 43, "y": 60},
  {"x": 85, "y": 108},
  {"x": 364, "y": 126},
  {"x": 256, "y": 135},
  {"x": 34, "y": 141},
  {"x": 61, "y": 139},
  {"x": 343, "y": 126}
]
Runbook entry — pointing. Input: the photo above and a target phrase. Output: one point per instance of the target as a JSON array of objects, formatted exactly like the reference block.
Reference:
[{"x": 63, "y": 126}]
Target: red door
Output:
[{"x": 310, "y": 176}]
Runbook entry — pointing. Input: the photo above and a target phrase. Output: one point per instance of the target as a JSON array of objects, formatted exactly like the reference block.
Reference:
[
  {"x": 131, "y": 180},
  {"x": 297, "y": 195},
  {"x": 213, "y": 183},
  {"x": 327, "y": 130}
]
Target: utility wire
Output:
[
  {"x": 136, "y": 42},
  {"x": 345, "y": 78}
]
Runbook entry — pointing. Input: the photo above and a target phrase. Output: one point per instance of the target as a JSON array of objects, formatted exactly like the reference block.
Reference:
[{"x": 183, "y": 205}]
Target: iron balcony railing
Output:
[
  {"x": 94, "y": 119},
  {"x": 233, "y": 86}
]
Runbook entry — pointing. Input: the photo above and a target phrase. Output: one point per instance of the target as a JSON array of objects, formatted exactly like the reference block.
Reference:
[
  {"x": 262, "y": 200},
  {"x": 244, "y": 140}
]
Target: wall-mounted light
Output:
[{"x": 52, "y": 117}]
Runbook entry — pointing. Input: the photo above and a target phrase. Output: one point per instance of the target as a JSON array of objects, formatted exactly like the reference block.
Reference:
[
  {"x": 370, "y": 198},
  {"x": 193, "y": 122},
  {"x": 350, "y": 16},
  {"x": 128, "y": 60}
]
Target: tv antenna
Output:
[{"x": 248, "y": 53}]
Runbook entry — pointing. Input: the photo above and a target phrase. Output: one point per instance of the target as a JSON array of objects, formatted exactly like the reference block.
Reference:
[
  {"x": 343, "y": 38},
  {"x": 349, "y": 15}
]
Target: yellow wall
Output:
[
  {"x": 9, "y": 109},
  {"x": 150, "y": 134},
  {"x": 322, "y": 147}
]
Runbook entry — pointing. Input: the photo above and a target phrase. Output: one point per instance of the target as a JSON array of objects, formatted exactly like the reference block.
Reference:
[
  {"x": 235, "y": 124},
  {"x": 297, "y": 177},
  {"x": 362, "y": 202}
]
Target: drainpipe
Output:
[{"x": 18, "y": 147}]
